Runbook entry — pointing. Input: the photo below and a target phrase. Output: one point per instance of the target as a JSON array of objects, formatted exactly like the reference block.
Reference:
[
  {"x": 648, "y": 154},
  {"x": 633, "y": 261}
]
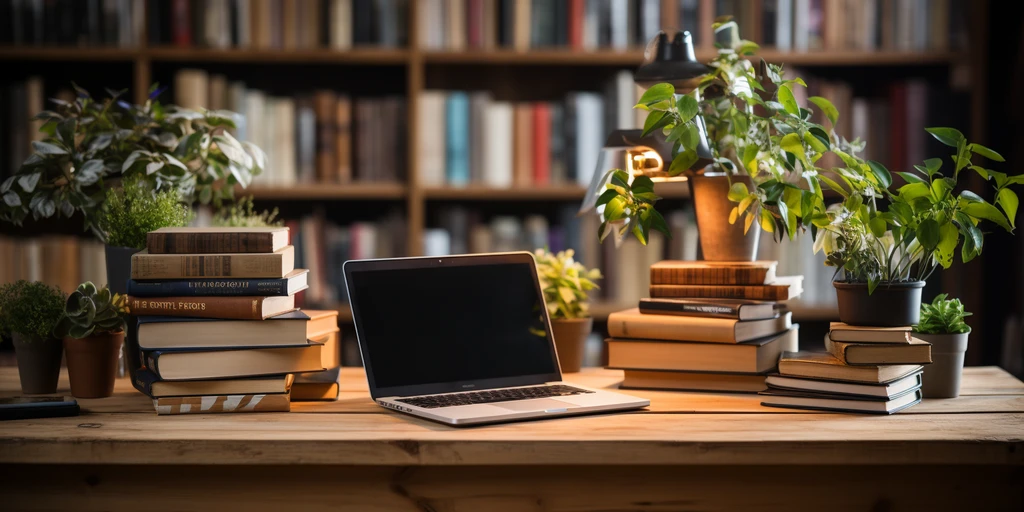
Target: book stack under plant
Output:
[
  {"x": 216, "y": 326},
  {"x": 708, "y": 326},
  {"x": 867, "y": 369}
]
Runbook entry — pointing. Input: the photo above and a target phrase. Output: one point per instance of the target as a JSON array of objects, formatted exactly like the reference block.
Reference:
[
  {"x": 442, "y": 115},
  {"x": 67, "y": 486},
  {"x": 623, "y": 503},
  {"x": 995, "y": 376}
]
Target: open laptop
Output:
[{"x": 463, "y": 340}]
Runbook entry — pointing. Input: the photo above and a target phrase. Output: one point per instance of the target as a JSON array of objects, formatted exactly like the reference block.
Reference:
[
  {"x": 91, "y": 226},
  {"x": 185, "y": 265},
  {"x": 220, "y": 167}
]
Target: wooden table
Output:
[{"x": 689, "y": 451}]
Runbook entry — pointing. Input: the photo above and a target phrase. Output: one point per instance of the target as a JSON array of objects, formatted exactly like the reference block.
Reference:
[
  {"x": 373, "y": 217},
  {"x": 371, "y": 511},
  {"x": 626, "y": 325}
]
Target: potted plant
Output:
[
  {"x": 883, "y": 257},
  {"x": 93, "y": 330},
  {"x": 242, "y": 214},
  {"x": 130, "y": 213},
  {"x": 28, "y": 313},
  {"x": 942, "y": 325},
  {"x": 91, "y": 145},
  {"x": 566, "y": 284}
]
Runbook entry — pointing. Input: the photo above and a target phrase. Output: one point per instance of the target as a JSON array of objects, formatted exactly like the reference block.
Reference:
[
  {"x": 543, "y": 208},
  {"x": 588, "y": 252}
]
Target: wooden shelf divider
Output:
[{"x": 312, "y": 191}]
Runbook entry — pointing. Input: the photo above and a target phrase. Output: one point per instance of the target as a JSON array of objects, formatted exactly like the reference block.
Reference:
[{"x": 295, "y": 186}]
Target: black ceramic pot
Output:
[
  {"x": 891, "y": 305},
  {"x": 119, "y": 267}
]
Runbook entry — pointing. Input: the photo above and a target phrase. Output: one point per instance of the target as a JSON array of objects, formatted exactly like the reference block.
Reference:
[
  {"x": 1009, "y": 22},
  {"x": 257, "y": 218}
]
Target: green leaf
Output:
[
  {"x": 788, "y": 101},
  {"x": 793, "y": 144},
  {"x": 687, "y": 107},
  {"x": 738, "y": 191},
  {"x": 46, "y": 148},
  {"x": 984, "y": 210},
  {"x": 28, "y": 181},
  {"x": 833, "y": 185},
  {"x": 985, "y": 152},
  {"x": 880, "y": 173},
  {"x": 933, "y": 165},
  {"x": 12, "y": 199},
  {"x": 911, "y": 177},
  {"x": 642, "y": 184},
  {"x": 877, "y": 226},
  {"x": 767, "y": 221},
  {"x": 820, "y": 134},
  {"x": 682, "y": 162},
  {"x": 1009, "y": 201},
  {"x": 656, "y": 93},
  {"x": 941, "y": 187},
  {"x": 615, "y": 209},
  {"x": 620, "y": 178},
  {"x": 606, "y": 196},
  {"x": 658, "y": 223},
  {"x": 814, "y": 143},
  {"x": 948, "y": 239},
  {"x": 690, "y": 138},
  {"x": 911, "y": 191},
  {"x": 948, "y": 136},
  {"x": 654, "y": 121},
  {"x": 928, "y": 234},
  {"x": 826, "y": 107}
]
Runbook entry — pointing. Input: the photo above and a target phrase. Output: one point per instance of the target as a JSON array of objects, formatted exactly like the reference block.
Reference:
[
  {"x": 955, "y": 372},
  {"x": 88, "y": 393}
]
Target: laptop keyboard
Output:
[{"x": 492, "y": 395}]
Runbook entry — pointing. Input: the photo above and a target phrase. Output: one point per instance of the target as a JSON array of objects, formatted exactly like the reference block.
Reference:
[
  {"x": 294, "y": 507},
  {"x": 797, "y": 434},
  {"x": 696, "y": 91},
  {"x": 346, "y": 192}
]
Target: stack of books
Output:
[
  {"x": 867, "y": 369},
  {"x": 216, "y": 325},
  {"x": 708, "y": 326}
]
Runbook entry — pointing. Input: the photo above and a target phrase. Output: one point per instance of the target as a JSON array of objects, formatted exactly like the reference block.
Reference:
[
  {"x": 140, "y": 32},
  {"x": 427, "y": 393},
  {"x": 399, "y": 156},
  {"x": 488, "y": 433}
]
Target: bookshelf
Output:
[{"x": 416, "y": 63}]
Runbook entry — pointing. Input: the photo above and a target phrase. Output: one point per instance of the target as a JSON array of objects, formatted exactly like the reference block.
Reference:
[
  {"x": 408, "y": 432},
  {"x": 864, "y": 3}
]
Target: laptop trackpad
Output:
[{"x": 537, "y": 404}]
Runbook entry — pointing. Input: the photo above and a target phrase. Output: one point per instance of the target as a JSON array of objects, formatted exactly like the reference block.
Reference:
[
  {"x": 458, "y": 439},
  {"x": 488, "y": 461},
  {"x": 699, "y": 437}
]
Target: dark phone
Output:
[{"x": 27, "y": 407}]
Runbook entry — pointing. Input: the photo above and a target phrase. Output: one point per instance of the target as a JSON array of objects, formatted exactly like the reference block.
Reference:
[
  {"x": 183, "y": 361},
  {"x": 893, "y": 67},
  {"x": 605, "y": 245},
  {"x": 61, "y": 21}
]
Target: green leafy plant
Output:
[
  {"x": 943, "y": 316},
  {"x": 134, "y": 210},
  {"x": 242, "y": 214},
  {"x": 30, "y": 309},
  {"x": 566, "y": 283},
  {"x": 91, "y": 144},
  {"x": 91, "y": 311}
]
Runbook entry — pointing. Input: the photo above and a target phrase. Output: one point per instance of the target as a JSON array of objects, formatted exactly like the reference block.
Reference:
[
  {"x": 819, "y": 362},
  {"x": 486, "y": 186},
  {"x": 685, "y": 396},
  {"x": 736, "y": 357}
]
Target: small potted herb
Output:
[
  {"x": 93, "y": 330},
  {"x": 566, "y": 284},
  {"x": 28, "y": 313},
  {"x": 128, "y": 214},
  {"x": 942, "y": 325},
  {"x": 242, "y": 214}
]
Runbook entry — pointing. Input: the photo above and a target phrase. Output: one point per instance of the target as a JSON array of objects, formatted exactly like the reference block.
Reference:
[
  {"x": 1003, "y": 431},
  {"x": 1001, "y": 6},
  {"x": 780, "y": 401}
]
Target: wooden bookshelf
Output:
[
  {"x": 314, "y": 191},
  {"x": 363, "y": 56}
]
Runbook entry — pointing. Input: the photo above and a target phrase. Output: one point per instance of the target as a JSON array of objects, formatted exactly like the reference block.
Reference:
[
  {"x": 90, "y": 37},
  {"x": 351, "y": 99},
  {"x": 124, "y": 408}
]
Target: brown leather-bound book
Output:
[
  {"x": 261, "y": 22},
  {"x": 343, "y": 146},
  {"x": 181, "y": 266},
  {"x": 631, "y": 323},
  {"x": 279, "y": 402},
  {"x": 713, "y": 272},
  {"x": 783, "y": 288},
  {"x": 216, "y": 240},
  {"x": 522, "y": 145},
  {"x": 290, "y": 24},
  {"x": 325, "y": 106},
  {"x": 228, "y": 308}
]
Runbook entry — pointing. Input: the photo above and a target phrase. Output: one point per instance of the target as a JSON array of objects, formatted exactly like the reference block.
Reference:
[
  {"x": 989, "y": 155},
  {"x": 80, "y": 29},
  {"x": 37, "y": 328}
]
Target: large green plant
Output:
[
  {"x": 90, "y": 310},
  {"x": 943, "y": 316},
  {"x": 134, "y": 210},
  {"x": 566, "y": 283},
  {"x": 90, "y": 144},
  {"x": 30, "y": 309}
]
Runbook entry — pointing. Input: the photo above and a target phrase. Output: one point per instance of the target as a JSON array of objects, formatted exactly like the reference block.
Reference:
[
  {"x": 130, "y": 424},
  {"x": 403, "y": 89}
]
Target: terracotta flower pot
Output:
[
  {"x": 38, "y": 364},
  {"x": 719, "y": 240},
  {"x": 891, "y": 305},
  {"x": 570, "y": 340},
  {"x": 92, "y": 364},
  {"x": 941, "y": 379}
]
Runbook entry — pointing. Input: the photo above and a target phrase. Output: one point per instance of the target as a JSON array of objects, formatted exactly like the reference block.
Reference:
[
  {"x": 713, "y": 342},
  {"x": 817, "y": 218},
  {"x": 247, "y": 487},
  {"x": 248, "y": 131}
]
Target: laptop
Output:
[{"x": 463, "y": 340}]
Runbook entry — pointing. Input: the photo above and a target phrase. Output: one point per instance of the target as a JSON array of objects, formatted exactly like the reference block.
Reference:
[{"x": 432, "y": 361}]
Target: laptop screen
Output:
[{"x": 455, "y": 323}]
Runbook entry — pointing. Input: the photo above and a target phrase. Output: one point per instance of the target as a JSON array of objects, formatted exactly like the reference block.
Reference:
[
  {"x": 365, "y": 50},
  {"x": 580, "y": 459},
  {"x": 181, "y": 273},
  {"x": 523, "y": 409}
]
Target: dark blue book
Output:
[
  {"x": 287, "y": 285},
  {"x": 178, "y": 333}
]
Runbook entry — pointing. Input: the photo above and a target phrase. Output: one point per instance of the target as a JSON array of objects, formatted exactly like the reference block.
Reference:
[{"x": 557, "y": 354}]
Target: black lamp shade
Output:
[{"x": 673, "y": 62}]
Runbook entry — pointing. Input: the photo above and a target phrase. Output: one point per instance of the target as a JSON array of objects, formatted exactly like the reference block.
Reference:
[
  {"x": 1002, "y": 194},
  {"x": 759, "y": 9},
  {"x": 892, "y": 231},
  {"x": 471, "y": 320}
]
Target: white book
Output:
[
  {"x": 625, "y": 91},
  {"x": 860, "y": 121},
  {"x": 436, "y": 242},
  {"x": 650, "y": 19},
  {"x": 620, "y": 24},
  {"x": 285, "y": 114},
  {"x": 591, "y": 24},
  {"x": 497, "y": 144},
  {"x": 255, "y": 127},
  {"x": 431, "y": 132},
  {"x": 306, "y": 137},
  {"x": 784, "y": 25},
  {"x": 431, "y": 26},
  {"x": 904, "y": 24},
  {"x": 589, "y": 134},
  {"x": 216, "y": 26},
  {"x": 237, "y": 103},
  {"x": 341, "y": 24},
  {"x": 801, "y": 25}
]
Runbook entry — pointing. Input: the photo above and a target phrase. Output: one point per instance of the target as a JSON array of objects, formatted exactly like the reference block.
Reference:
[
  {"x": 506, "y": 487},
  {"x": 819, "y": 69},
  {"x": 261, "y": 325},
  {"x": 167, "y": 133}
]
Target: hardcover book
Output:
[
  {"x": 149, "y": 384},
  {"x": 822, "y": 365},
  {"x": 888, "y": 390},
  {"x": 216, "y": 240},
  {"x": 239, "y": 308},
  {"x": 278, "y": 402},
  {"x": 783, "y": 288},
  {"x": 839, "y": 331},
  {"x": 159, "y": 332},
  {"x": 840, "y": 403},
  {"x": 317, "y": 386},
  {"x": 713, "y": 272},
  {"x": 182, "y": 266},
  {"x": 755, "y": 356},
  {"x": 191, "y": 364},
  {"x": 290, "y": 284},
  {"x": 916, "y": 352},
  {"x": 694, "y": 381},
  {"x": 633, "y": 324},
  {"x": 737, "y": 309}
]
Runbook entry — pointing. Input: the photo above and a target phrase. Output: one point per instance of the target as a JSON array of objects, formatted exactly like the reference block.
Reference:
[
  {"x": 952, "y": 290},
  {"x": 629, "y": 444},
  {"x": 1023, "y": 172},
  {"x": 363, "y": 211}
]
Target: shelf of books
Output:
[{"x": 450, "y": 126}]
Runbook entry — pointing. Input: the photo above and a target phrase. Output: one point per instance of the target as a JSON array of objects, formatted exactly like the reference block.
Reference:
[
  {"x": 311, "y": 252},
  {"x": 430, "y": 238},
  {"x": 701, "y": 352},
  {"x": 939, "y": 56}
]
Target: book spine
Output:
[
  {"x": 209, "y": 243},
  {"x": 223, "y": 403},
  {"x": 708, "y": 310},
  {"x": 627, "y": 326},
  {"x": 183, "y": 266},
  {"x": 708, "y": 276},
  {"x": 209, "y": 288},
  {"x": 721, "y": 292},
  {"x": 233, "y": 308}
]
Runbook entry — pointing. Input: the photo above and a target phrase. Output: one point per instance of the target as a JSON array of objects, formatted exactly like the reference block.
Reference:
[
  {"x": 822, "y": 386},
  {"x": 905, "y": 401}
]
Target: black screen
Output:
[{"x": 450, "y": 324}]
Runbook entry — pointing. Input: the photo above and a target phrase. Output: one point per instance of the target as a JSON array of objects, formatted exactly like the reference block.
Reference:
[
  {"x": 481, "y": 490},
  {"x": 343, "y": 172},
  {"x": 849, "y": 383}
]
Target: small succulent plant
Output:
[
  {"x": 943, "y": 317},
  {"x": 92, "y": 311}
]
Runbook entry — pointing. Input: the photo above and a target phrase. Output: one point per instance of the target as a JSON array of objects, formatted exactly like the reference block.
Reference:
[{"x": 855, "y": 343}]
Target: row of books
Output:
[
  {"x": 320, "y": 136},
  {"x": 278, "y": 24},
  {"x": 474, "y": 138},
  {"x": 57, "y": 260},
  {"x": 526, "y": 24},
  {"x": 216, "y": 327},
  {"x": 117, "y": 23},
  {"x": 807, "y": 25}
]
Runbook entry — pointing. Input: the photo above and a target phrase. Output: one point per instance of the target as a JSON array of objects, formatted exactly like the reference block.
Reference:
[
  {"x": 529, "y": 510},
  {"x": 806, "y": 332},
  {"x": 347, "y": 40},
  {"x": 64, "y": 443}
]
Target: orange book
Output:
[
  {"x": 325, "y": 106},
  {"x": 228, "y": 308},
  {"x": 522, "y": 145},
  {"x": 541, "y": 144}
]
